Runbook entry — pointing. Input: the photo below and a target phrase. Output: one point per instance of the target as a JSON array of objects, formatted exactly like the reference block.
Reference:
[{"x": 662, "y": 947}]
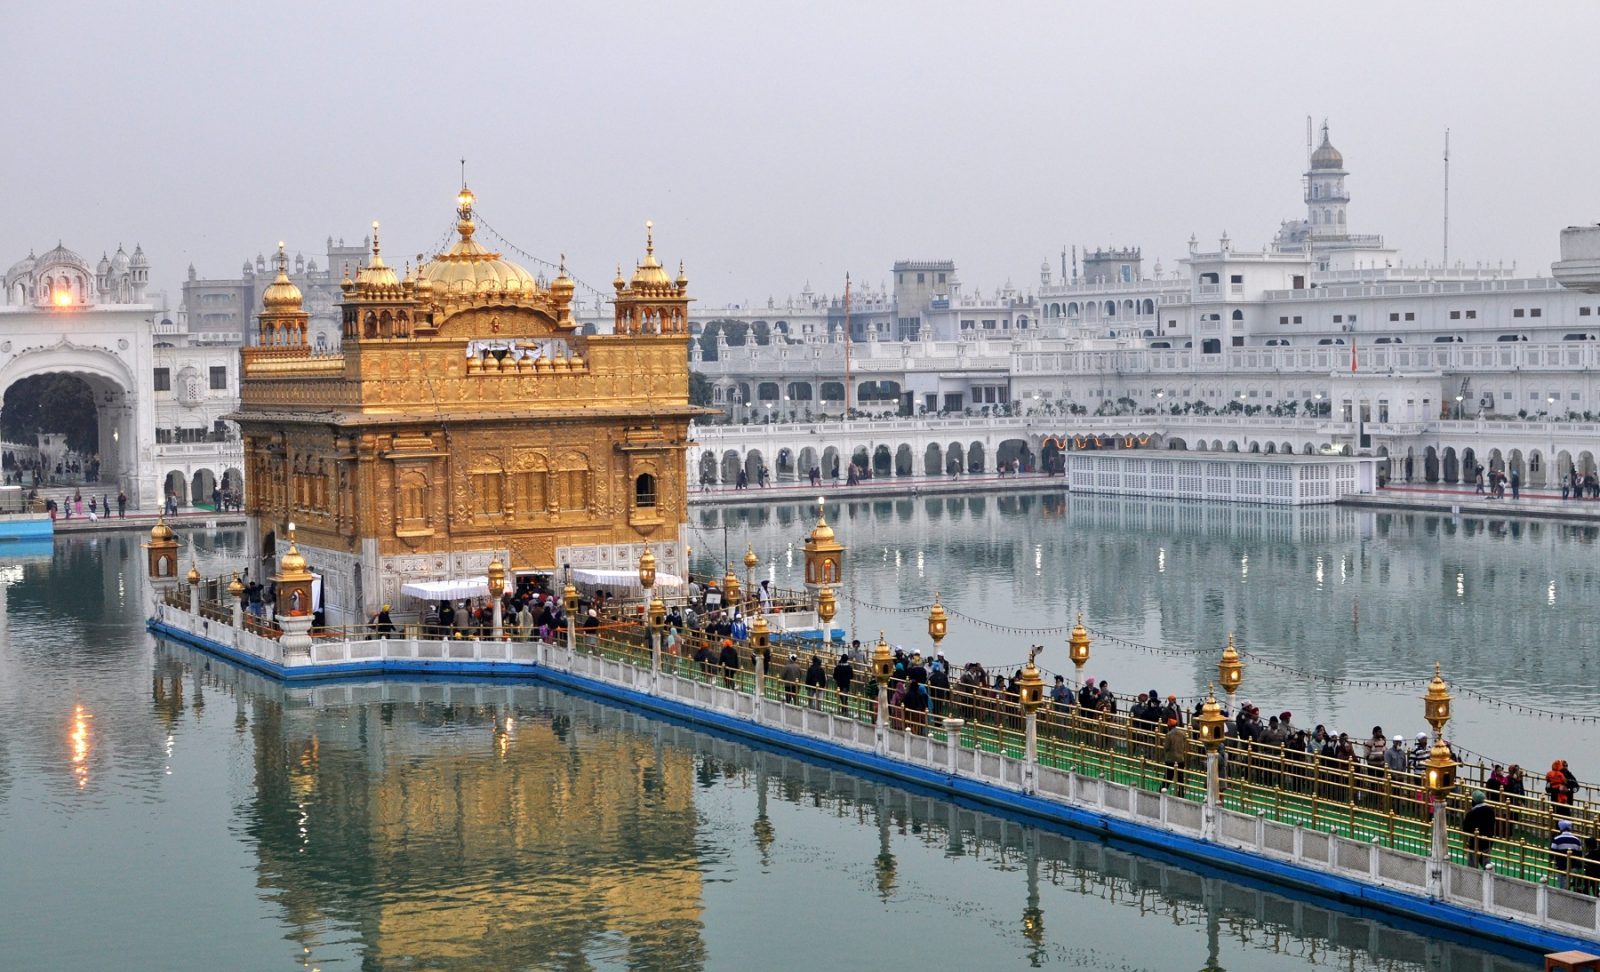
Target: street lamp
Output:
[
  {"x": 1459, "y": 399},
  {"x": 497, "y": 587},
  {"x": 647, "y": 580},
  {"x": 751, "y": 561},
  {"x": 1439, "y": 772},
  {"x": 1230, "y": 670},
  {"x": 1213, "y": 729},
  {"x": 938, "y": 622},
  {"x": 1318, "y": 398},
  {"x": 882, "y": 670},
  {"x": 1030, "y": 695},
  {"x": 1078, "y": 649},
  {"x": 569, "y": 600}
]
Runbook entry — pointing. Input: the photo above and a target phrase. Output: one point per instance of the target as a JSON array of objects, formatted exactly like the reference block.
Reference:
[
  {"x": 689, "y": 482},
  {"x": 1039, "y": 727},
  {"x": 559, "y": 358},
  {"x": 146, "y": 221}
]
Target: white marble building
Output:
[{"x": 158, "y": 394}]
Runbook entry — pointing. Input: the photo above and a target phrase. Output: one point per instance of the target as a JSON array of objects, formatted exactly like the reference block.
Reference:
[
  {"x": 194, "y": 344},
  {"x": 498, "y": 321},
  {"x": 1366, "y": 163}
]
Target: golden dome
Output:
[
  {"x": 161, "y": 533},
  {"x": 281, "y": 295},
  {"x": 235, "y": 588},
  {"x": 292, "y": 563},
  {"x": 650, "y": 273},
  {"x": 377, "y": 277},
  {"x": 467, "y": 270},
  {"x": 683, "y": 278},
  {"x": 563, "y": 284},
  {"x": 821, "y": 532}
]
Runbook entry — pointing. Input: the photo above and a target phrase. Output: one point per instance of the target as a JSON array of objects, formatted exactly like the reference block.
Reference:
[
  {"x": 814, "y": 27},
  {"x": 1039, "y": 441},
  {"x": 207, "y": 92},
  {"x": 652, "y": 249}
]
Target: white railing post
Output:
[
  {"x": 1208, "y": 812},
  {"x": 1030, "y": 750},
  {"x": 952, "y": 743},
  {"x": 761, "y": 674},
  {"x": 1439, "y": 849}
]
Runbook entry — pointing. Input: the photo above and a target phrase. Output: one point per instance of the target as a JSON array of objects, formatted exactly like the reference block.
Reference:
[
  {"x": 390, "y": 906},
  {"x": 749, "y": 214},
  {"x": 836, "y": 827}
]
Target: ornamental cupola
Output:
[
  {"x": 652, "y": 302},
  {"x": 377, "y": 304},
  {"x": 283, "y": 321},
  {"x": 468, "y": 275}
]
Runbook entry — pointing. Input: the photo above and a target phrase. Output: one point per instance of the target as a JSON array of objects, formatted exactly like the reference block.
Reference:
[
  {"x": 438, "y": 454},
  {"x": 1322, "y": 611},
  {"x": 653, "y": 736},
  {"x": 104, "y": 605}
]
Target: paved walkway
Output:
[
  {"x": 1538, "y": 504},
  {"x": 881, "y": 486}
]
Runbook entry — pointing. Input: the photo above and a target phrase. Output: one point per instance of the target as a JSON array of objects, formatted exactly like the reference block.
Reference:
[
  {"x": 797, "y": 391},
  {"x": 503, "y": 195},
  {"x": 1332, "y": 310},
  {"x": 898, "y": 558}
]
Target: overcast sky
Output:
[{"x": 779, "y": 143}]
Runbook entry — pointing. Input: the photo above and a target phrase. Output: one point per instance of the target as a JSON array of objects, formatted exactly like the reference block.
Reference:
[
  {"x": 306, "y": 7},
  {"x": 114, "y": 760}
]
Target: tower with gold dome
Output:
[{"x": 465, "y": 417}]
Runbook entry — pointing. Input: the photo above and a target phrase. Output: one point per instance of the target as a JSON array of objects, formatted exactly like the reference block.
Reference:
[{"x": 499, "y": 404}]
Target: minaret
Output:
[{"x": 1326, "y": 197}]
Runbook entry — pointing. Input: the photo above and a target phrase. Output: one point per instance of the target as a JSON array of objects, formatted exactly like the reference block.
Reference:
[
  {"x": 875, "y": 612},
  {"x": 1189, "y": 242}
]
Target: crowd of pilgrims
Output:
[{"x": 704, "y": 636}]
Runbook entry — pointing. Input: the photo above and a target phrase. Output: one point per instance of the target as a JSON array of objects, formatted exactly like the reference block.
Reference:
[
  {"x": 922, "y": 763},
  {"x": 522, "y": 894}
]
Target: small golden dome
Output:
[
  {"x": 161, "y": 533},
  {"x": 347, "y": 285},
  {"x": 377, "y": 277},
  {"x": 649, "y": 273},
  {"x": 467, "y": 270},
  {"x": 292, "y": 563},
  {"x": 281, "y": 295},
  {"x": 562, "y": 285},
  {"x": 619, "y": 282},
  {"x": 235, "y": 588},
  {"x": 683, "y": 278},
  {"x": 821, "y": 532},
  {"x": 193, "y": 577}
]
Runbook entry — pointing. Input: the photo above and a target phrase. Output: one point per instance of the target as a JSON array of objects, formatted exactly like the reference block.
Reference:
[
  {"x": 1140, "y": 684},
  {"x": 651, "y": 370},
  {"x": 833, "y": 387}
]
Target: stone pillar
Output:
[
  {"x": 238, "y": 613},
  {"x": 880, "y": 736},
  {"x": 761, "y": 677},
  {"x": 1030, "y": 753},
  {"x": 1439, "y": 849},
  {"x": 194, "y": 599},
  {"x": 296, "y": 638},
  {"x": 952, "y": 742},
  {"x": 499, "y": 631},
  {"x": 1208, "y": 813},
  {"x": 655, "y": 659}
]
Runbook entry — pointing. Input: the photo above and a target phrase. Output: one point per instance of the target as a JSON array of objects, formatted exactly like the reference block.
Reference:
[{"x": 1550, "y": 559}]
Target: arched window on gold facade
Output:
[
  {"x": 644, "y": 491},
  {"x": 411, "y": 511},
  {"x": 531, "y": 484},
  {"x": 573, "y": 475},
  {"x": 488, "y": 481}
]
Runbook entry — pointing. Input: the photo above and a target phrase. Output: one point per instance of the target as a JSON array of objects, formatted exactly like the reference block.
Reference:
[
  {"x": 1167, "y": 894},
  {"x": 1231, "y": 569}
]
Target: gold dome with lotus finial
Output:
[
  {"x": 281, "y": 294},
  {"x": 467, "y": 271}
]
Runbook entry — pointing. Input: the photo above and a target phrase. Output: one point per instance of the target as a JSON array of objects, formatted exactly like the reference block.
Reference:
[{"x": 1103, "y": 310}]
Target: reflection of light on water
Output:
[
  {"x": 170, "y": 738},
  {"x": 1038, "y": 559},
  {"x": 919, "y": 563},
  {"x": 1161, "y": 560},
  {"x": 80, "y": 744},
  {"x": 1319, "y": 573},
  {"x": 1461, "y": 584},
  {"x": 1344, "y": 570},
  {"x": 1550, "y": 597},
  {"x": 10, "y": 574},
  {"x": 1244, "y": 567}
]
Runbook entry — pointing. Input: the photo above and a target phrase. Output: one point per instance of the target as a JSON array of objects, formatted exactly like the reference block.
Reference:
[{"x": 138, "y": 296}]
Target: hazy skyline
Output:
[{"x": 776, "y": 146}]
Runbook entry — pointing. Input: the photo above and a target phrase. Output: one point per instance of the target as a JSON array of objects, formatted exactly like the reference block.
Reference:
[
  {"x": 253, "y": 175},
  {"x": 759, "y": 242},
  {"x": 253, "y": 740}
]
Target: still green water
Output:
[{"x": 162, "y": 809}]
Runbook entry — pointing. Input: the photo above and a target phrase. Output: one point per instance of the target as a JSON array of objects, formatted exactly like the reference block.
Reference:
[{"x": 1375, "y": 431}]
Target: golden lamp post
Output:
[
  {"x": 751, "y": 562},
  {"x": 827, "y": 607},
  {"x": 193, "y": 577},
  {"x": 569, "y": 601},
  {"x": 497, "y": 588},
  {"x": 938, "y": 622},
  {"x": 1230, "y": 672},
  {"x": 730, "y": 588},
  {"x": 882, "y": 670},
  {"x": 1438, "y": 774},
  {"x": 647, "y": 581},
  {"x": 236, "y": 591},
  {"x": 1213, "y": 732},
  {"x": 1030, "y": 695},
  {"x": 1078, "y": 649}
]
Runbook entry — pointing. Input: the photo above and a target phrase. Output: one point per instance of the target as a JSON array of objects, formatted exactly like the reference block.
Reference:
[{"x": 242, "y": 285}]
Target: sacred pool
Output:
[{"x": 468, "y": 824}]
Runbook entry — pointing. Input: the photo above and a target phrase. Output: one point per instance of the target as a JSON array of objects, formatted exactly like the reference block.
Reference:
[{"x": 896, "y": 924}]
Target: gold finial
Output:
[
  {"x": 751, "y": 561},
  {"x": 377, "y": 253},
  {"x": 649, "y": 237}
]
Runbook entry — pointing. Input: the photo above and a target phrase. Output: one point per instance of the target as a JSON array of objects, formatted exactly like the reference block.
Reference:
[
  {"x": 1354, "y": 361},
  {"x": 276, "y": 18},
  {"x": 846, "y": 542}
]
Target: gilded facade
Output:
[{"x": 466, "y": 415}]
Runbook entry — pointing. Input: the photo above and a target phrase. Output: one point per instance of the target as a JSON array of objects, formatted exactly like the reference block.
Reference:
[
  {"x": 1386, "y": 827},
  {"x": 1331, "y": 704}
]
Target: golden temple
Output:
[{"x": 466, "y": 416}]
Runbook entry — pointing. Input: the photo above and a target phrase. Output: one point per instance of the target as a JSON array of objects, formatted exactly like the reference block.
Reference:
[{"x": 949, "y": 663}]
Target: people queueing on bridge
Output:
[{"x": 844, "y": 675}]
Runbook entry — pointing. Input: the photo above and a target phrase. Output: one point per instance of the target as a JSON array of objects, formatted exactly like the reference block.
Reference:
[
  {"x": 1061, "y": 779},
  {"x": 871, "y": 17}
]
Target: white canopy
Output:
[
  {"x": 620, "y": 578},
  {"x": 448, "y": 590}
]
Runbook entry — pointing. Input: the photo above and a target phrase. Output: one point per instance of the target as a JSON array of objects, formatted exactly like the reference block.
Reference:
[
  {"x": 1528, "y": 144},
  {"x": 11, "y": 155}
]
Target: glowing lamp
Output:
[
  {"x": 497, "y": 577},
  {"x": 882, "y": 661},
  {"x": 647, "y": 569},
  {"x": 760, "y": 634},
  {"x": 1030, "y": 687},
  {"x": 730, "y": 584},
  {"x": 1230, "y": 670},
  {"x": 827, "y": 607},
  {"x": 938, "y": 621},
  {"x": 1439, "y": 772},
  {"x": 1078, "y": 646},
  {"x": 1436, "y": 702},
  {"x": 1212, "y": 722},
  {"x": 62, "y": 298},
  {"x": 657, "y": 612}
]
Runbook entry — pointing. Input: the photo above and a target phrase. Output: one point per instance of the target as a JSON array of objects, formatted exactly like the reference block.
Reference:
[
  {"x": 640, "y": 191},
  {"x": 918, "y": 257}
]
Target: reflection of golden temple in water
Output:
[{"x": 475, "y": 837}]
